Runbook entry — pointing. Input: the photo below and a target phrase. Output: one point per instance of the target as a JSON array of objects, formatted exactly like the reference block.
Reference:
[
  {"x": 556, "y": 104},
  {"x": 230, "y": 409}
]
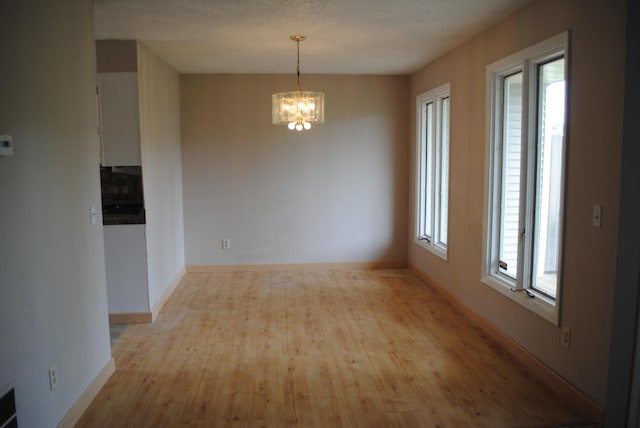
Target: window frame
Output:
[
  {"x": 526, "y": 61},
  {"x": 432, "y": 170}
]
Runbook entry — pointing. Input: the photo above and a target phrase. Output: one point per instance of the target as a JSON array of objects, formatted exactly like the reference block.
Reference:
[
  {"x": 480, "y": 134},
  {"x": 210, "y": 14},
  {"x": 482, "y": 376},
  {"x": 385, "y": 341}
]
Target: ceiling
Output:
[{"x": 343, "y": 36}]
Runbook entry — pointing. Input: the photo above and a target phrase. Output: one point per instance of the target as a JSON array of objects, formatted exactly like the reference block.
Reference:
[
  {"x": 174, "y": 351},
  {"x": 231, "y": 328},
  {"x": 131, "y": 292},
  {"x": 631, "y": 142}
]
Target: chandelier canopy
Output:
[{"x": 297, "y": 109}]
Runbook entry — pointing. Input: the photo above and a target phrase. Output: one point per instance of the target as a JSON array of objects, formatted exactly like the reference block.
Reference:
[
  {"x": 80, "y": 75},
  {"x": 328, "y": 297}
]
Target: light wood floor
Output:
[{"x": 334, "y": 348}]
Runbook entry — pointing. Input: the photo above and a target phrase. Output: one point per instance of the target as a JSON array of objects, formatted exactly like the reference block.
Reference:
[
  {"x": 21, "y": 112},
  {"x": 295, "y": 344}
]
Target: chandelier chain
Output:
[
  {"x": 298, "y": 110},
  {"x": 298, "y": 62}
]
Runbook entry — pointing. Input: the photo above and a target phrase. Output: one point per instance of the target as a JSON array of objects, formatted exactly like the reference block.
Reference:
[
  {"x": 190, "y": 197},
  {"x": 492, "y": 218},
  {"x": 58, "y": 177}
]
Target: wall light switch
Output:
[
  {"x": 6, "y": 145},
  {"x": 93, "y": 213},
  {"x": 596, "y": 219}
]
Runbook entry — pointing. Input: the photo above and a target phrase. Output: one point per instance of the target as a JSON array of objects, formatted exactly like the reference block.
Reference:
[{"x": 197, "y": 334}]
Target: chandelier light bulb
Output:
[
  {"x": 307, "y": 125},
  {"x": 299, "y": 127},
  {"x": 291, "y": 125}
]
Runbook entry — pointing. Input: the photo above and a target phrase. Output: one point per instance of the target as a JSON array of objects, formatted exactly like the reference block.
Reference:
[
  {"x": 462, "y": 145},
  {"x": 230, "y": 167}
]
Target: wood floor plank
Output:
[{"x": 326, "y": 348}]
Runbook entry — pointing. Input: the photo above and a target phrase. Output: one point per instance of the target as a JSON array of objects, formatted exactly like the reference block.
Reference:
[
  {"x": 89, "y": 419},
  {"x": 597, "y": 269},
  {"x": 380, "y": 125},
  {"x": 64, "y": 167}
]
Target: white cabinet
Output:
[
  {"x": 125, "y": 251},
  {"x": 119, "y": 119}
]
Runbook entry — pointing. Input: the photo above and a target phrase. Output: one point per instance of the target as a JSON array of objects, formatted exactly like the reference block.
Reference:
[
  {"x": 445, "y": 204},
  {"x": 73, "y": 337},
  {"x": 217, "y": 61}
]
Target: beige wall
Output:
[
  {"x": 593, "y": 173},
  {"x": 159, "y": 98},
  {"x": 336, "y": 193},
  {"x": 53, "y": 301}
]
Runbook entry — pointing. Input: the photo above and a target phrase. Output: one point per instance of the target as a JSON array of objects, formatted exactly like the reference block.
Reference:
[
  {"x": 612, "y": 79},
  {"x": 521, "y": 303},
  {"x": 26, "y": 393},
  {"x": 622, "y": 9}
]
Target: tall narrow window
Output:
[
  {"x": 549, "y": 165},
  {"x": 432, "y": 186},
  {"x": 511, "y": 172},
  {"x": 525, "y": 177},
  {"x": 444, "y": 173}
]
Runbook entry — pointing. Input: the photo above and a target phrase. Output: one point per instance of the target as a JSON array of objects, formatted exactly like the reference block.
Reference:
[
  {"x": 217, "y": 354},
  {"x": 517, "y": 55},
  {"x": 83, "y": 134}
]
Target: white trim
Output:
[
  {"x": 525, "y": 61},
  {"x": 435, "y": 96},
  {"x": 539, "y": 303}
]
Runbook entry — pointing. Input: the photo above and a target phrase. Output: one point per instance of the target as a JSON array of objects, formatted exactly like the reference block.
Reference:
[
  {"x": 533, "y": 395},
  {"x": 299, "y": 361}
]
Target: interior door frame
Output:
[{"x": 622, "y": 404}]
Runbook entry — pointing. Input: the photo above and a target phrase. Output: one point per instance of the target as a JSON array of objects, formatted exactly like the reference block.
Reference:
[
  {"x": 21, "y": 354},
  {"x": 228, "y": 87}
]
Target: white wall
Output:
[
  {"x": 159, "y": 96},
  {"x": 125, "y": 254},
  {"x": 593, "y": 177},
  {"x": 53, "y": 303},
  {"x": 336, "y": 193}
]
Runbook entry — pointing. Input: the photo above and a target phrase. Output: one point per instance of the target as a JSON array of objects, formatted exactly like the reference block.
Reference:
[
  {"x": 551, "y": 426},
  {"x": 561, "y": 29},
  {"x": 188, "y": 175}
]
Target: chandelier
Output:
[{"x": 297, "y": 109}]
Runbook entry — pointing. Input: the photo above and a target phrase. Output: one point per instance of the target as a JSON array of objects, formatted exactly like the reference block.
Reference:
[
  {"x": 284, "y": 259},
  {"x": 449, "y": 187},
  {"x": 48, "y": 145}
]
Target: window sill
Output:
[
  {"x": 426, "y": 245},
  {"x": 538, "y": 304}
]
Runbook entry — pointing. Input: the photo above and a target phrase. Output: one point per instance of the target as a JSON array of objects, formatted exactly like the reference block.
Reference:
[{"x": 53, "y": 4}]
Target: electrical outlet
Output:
[
  {"x": 53, "y": 377},
  {"x": 6, "y": 145},
  {"x": 226, "y": 244},
  {"x": 566, "y": 337}
]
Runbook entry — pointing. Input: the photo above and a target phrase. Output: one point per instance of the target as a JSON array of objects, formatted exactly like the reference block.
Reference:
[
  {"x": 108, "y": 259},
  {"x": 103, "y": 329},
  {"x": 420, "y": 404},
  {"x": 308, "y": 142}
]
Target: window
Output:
[
  {"x": 432, "y": 187},
  {"x": 527, "y": 94}
]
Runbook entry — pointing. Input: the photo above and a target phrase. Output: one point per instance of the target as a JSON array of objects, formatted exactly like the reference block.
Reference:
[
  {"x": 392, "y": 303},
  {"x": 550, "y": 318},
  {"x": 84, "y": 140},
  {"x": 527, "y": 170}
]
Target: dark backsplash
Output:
[{"x": 122, "y": 195}]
